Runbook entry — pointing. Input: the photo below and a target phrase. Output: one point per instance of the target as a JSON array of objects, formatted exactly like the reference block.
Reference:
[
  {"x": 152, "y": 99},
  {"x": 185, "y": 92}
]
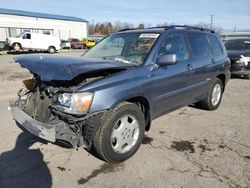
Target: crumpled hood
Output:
[{"x": 55, "y": 67}]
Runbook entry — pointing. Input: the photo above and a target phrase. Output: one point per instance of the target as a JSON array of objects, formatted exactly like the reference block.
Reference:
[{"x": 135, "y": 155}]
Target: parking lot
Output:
[{"x": 186, "y": 148}]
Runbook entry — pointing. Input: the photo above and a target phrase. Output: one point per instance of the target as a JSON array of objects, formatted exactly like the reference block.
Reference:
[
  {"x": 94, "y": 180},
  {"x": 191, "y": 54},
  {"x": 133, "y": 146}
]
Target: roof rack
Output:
[
  {"x": 127, "y": 29},
  {"x": 183, "y": 27},
  {"x": 174, "y": 27}
]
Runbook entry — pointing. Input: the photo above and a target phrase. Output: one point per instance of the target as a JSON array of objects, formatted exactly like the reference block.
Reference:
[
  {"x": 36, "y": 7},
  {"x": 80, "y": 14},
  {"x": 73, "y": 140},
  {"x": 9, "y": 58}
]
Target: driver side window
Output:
[
  {"x": 27, "y": 36},
  {"x": 175, "y": 44}
]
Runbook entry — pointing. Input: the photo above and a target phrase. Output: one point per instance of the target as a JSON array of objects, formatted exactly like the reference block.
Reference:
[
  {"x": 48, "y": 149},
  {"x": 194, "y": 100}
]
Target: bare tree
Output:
[{"x": 141, "y": 26}]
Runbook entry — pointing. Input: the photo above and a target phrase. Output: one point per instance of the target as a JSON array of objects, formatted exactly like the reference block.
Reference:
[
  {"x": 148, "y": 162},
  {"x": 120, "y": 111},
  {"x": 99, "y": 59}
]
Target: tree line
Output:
[{"x": 108, "y": 27}]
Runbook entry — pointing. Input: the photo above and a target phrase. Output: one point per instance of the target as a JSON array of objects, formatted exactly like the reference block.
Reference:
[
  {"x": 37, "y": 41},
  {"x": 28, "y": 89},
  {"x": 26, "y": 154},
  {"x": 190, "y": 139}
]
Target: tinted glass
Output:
[
  {"x": 198, "y": 45},
  {"x": 215, "y": 45},
  {"x": 175, "y": 44}
]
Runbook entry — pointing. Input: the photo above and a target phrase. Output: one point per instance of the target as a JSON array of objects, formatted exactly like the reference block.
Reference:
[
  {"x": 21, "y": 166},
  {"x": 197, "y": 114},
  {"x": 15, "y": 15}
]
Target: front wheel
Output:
[
  {"x": 51, "y": 49},
  {"x": 120, "y": 134},
  {"x": 213, "y": 99},
  {"x": 17, "y": 47}
]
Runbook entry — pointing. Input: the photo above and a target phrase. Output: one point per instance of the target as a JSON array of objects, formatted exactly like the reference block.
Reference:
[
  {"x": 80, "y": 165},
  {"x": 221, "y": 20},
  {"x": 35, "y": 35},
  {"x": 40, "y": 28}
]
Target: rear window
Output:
[
  {"x": 237, "y": 44},
  {"x": 215, "y": 45},
  {"x": 198, "y": 45}
]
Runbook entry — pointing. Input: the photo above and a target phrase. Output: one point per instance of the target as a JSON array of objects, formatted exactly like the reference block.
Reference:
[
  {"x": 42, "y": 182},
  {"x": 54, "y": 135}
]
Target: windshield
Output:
[
  {"x": 18, "y": 36},
  {"x": 125, "y": 47}
]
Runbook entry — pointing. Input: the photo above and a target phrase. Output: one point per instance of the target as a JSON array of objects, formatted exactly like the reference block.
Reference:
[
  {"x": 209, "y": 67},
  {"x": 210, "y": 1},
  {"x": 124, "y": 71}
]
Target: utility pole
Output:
[
  {"x": 234, "y": 28},
  {"x": 211, "y": 22},
  {"x": 93, "y": 27}
]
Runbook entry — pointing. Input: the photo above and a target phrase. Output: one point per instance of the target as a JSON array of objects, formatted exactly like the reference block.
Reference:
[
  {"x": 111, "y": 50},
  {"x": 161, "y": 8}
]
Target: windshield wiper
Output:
[{"x": 124, "y": 61}]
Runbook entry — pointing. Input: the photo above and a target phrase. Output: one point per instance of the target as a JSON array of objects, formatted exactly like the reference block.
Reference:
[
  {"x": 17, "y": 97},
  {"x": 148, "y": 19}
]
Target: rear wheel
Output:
[
  {"x": 247, "y": 76},
  {"x": 51, "y": 49},
  {"x": 213, "y": 99},
  {"x": 17, "y": 47},
  {"x": 120, "y": 134}
]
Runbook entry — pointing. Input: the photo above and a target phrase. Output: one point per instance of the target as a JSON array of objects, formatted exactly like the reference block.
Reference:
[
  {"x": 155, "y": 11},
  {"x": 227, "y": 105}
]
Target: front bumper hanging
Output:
[
  {"x": 59, "y": 129},
  {"x": 35, "y": 127}
]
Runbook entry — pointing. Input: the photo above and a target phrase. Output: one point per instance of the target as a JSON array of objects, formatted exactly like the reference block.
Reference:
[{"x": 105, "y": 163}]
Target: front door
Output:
[
  {"x": 172, "y": 82},
  {"x": 27, "y": 41}
]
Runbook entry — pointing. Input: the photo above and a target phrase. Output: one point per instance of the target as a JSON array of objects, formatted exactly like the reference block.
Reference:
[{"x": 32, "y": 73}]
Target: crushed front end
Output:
[
  {"x": 240, "y": 66},
  {"x": 40, "y": 110}
]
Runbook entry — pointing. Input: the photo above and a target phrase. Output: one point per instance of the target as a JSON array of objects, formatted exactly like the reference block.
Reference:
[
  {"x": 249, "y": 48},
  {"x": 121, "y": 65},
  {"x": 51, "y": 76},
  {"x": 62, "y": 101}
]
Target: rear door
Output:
[
  {"x": 203, "y": 65},
  {"x": 216, "y": 50},
  {"x": 172, "y": 81}
]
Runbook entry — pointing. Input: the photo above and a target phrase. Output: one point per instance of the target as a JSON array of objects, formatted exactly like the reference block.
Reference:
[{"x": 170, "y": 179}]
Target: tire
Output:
[
  {"x": 106, "y": 142},
  {"x": 17, "y": 47},
  {"x": 51, "y": 49},
  {"x": 247, "y": 76},
  {"x": 84, "y": 46},
  {"x": 209, "y": 103}
]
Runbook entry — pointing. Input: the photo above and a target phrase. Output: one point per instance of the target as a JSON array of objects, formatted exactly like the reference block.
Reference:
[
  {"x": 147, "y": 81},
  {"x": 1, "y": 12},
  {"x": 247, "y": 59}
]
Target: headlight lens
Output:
[{"x": 75, "y": 103}]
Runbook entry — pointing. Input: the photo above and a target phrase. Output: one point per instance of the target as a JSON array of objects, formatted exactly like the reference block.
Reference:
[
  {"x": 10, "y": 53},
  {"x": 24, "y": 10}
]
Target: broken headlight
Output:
[{"x": 75, "y": 103}]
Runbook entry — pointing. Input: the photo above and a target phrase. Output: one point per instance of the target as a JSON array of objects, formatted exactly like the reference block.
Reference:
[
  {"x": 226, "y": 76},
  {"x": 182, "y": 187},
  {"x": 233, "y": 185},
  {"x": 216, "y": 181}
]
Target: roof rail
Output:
[
  {"x": 183, "y": 27},
  {"x": 127, "y": 29}
]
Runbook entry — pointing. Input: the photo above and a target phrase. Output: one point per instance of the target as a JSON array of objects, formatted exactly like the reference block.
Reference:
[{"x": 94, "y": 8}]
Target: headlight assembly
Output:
[{"x": 75, "y": 103}]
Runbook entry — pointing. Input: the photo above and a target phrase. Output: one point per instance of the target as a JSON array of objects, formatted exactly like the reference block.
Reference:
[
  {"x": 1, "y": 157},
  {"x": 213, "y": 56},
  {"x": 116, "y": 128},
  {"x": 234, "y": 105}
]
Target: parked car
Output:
[
  {"x": 239, "y": 53},
  {"x": 88, "y": 43},
  {"x": 65, "y": 44},
  {"x": 75, "y": 43},
  {"x": 34, "y": 41},
  {"x": 2, "y": 46},
  {"x": 105, "y": 100}
]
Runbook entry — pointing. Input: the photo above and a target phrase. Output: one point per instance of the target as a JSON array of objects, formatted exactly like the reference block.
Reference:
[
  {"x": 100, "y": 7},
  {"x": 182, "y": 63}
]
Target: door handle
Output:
[{"x": 189, "y": 67}]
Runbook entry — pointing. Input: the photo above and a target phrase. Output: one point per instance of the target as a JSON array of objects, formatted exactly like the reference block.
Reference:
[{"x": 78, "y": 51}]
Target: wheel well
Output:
[
  {"x": 222, "y": 77},
  {"x": 17, "y": 43},
  {"x": 51, "y": 47},
  {"x": 143, "y": 104}
]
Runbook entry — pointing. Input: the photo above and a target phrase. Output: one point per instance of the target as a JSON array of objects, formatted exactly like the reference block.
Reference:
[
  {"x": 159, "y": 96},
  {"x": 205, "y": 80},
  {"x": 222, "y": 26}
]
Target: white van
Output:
[{"x": 34, "y": 41}]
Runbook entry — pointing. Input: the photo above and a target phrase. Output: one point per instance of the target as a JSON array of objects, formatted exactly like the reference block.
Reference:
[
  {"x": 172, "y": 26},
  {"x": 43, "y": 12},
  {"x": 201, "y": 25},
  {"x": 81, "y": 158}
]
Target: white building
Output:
[{"x": 14, "y": 22}]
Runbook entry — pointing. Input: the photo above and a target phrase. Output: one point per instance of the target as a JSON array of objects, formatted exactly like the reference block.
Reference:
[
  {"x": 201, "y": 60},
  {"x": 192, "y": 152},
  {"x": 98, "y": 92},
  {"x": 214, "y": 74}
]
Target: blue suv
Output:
[{"x": 105, "y": 100}]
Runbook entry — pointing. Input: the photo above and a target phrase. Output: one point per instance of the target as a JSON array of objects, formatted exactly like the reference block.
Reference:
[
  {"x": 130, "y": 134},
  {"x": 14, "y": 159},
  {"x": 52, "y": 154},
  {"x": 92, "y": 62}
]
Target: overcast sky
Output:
[{"x": 227, "y": 13}]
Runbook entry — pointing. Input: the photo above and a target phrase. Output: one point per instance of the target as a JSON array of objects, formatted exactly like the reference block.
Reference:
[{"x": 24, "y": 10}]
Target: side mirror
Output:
[{"x": 166, "y": 59}]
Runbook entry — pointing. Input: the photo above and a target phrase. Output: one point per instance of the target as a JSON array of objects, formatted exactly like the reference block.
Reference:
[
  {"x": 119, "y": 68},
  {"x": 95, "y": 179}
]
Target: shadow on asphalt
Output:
[{"x": 24, "y": 167}]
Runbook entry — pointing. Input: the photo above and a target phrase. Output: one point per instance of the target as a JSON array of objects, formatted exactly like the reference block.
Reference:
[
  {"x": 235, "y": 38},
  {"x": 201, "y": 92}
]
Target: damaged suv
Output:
[{"x": 105, "y": 100}]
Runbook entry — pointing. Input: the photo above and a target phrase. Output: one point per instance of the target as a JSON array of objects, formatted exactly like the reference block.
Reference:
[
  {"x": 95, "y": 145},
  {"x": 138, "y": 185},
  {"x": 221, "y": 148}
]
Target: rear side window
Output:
[
  {"x": 215, "y": 45},
  {"x": 198, "y": 45}
]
